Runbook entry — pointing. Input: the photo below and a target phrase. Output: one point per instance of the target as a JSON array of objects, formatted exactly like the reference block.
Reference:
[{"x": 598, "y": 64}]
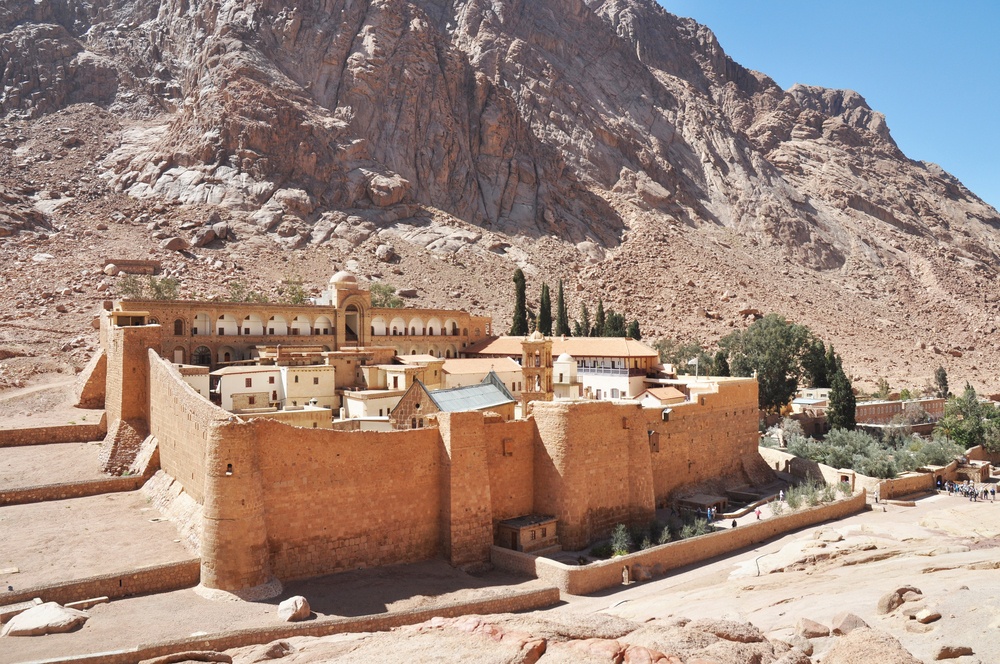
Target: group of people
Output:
[{"x": 972, "y": 491}]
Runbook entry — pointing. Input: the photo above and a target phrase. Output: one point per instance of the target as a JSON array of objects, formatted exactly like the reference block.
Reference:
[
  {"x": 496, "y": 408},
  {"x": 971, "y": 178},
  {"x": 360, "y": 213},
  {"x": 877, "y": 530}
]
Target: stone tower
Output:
[{"x": 536, "y": 367}]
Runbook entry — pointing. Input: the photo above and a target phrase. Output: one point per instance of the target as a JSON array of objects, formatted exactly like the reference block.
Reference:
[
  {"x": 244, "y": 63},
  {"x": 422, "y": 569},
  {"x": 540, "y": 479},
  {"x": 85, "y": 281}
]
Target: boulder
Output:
[
  {"x": 47, "y": 618},
  {"x": 729, "y": 630},
  {"x": 868, "y": 645},
  {"x": 811, "y": 629},
  {"x": 927, "y": 616},
  {"x": 111, "y": 270},
  {"x": 800, "y": 642},
  {"x": 386, "y": 190},
  {"x": 203, "y": 237},
  {"x": 845, "y": 623},
  {"x": 386, "y": 253},
  {"x": 174, "y": 244},
  {"x": 951, "y": 652},
  {"x": 888, "y": 603},
  {"x": 407, "y": 292},
  {"x": 294, "y": 609},
  {"x": 221, "y": 229}
]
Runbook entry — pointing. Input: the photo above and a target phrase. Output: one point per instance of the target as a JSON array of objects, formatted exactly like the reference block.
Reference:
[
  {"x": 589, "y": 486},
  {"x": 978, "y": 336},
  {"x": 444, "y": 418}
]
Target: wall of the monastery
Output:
[
  {"x": 127, "y": 395},
  {"x": 592, "y": 468},
  {"x": 182, "y": 422},
  {"x": 581, "y": 580},
  {"x": 706, "y": 439},
  {"x": 91, "y": 383},
  {"x": 510, "y": 454},
  {"x": 340, "y": 500},
  {"x": 310, "y": 418},
  {"x": 66, "y": 490}
]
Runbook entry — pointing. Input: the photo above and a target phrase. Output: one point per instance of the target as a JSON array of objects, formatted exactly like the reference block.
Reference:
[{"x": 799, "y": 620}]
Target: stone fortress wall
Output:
[{"x": 289, "y": 502}]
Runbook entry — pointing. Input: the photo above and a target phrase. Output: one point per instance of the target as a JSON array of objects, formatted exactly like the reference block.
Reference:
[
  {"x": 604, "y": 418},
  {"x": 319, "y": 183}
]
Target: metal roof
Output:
[{"x": 470, "y": 397}]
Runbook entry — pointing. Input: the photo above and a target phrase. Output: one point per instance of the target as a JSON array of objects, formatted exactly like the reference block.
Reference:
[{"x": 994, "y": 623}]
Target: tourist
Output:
[
  {"x": 757, "y": 512},
  {"x": 781, "y": 495},
  {"x": 734, "y": 523}
]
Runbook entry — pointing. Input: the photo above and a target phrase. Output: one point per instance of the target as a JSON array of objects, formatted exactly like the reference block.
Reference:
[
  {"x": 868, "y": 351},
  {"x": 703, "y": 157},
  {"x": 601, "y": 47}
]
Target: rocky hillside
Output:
[{"x": 438, "y": 144}]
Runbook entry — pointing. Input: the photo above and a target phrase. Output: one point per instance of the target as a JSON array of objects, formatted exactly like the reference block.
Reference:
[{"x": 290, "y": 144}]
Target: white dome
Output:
[
  {"x": 343, "y": 277},
  {"x": 565, "y": 357},
  {"x": 536, "y": 336}
]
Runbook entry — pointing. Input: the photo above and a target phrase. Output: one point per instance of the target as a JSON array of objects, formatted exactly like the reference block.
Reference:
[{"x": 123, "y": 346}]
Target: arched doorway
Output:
[{"x": 202, "y": 355}]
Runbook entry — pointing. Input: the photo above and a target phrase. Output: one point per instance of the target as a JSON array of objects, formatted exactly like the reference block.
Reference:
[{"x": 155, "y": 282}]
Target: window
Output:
[
  {"x": 420, "y": 423},
  {"x": 315, "y": 380},
  {"x": 296, "y": 379},
  {"x": 222, "y": 331},
  {"x": 246, "y": 330},
  {"x": 252, "y": 400},
  {"x": 270, "y": 380},
  {"x": 274, "y": 395},
  {"x": 178, "y": 327},
  {"x": 532, "y": 535},
  {"x": 270, "y": 330},
  {"x": 248, "y": 382},
  {"x": 544, "y": 532},
  {"x": 380, "y": 412},
  {"x": 395, "y": 382},
  {"x": 413, "y": 423}
]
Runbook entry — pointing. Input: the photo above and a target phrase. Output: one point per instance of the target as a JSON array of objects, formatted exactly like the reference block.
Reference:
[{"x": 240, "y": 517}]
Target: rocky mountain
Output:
[{"x": 606, "y": 142}]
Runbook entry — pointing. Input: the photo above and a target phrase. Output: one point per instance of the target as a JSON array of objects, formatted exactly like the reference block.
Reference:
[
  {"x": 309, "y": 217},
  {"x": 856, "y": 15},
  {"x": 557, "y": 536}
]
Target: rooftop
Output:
[
  {"x": 470, "y": 397},
  {"x": 480, "y": 365},
  {"x": 576, "y": 346}
]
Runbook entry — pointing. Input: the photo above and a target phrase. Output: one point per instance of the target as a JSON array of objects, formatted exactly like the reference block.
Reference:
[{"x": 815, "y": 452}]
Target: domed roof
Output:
[
  {"x": 343, "y": 277},
  {"x": 565, "y": 357},
  {"x": 536, "y": 336}
]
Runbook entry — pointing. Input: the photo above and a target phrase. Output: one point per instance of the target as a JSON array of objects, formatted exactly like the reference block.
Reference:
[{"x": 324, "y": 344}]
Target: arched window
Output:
[{"x": 178, "y": 328}]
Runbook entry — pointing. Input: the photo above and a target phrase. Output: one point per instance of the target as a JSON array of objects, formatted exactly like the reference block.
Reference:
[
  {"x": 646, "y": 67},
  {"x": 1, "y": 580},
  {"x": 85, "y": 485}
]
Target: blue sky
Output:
[{"x": 933, "y": 68}]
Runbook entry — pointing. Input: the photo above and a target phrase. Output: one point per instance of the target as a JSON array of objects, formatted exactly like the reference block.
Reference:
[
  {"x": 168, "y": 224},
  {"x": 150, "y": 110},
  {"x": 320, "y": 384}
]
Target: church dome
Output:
[
  {"x": 343, "y": 277},
  {"x": 536, "y": 336},
  {"x": 565, "y": 357}
]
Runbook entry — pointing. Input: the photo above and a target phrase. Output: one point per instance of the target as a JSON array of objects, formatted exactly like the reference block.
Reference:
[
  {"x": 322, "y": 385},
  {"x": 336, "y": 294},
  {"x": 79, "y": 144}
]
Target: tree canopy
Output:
[
  {"x": 544, "y": 324},
  {"x": 773, "y": 349},
  {"x": 519, "y": 326},
  {"x": 841, "y": 412}
]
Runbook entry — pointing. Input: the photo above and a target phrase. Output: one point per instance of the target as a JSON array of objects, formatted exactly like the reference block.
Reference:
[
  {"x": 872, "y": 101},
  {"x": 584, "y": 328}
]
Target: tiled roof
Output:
[
  {"x": 480, "y": 365},
  {"x": 575, "y": 346}
]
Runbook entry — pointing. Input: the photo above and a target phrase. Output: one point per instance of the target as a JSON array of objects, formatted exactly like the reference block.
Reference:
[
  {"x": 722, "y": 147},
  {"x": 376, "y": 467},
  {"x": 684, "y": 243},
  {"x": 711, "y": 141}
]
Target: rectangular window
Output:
[
  {"x": 544, "y": 532},
  {"x": 222, "y": 331},
  {"x": 252, "y": 401},
  {"x": 248, "y": 382},
  {"x": 270, "y": 380},
  {"x": 246, "y": 330},
  {"x": 296, "y": 379},
  {"x": 270, "y": 330},
  {"x": 315, "y": 380},
  {"x": 532, "y": 535}
]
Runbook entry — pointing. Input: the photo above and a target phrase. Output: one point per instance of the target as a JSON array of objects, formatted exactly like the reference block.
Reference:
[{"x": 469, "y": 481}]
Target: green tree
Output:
[
  {"x": 883, "y": 389},
  {"x": 841, "y": 411},
  {"x": 966, "y": 419},
  {"x": 130, "y": 288},
  {"x": 600, "y": 320},
  {"x": 544, "y": 324},
  {"x": 905, "y": 394},
  {"x": 814, "y": 364},
  {"x": 519, "y": 327},
  {"x": 384, "y": 296},
  {"x": 562, "y": 316},
  {"x": 294, "y": 293},
  {"x": 772, "y": 349},
  {"x": 163, "y": 289},
  {"x": 614, "y": 325},
  {"x": 720, "y": 364},
  {"x": 581, "y": 328},
  {"x": 633, "y": 331},
  {"x": 941, "y": 383},
  {"x": 833, "y": 365}
]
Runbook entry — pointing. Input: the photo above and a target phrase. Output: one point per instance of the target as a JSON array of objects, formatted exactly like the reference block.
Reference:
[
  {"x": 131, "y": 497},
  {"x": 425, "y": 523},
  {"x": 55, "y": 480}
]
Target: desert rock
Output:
[
  {"x": 47, "y": 618},
  {"x": 294, "y": 609}
]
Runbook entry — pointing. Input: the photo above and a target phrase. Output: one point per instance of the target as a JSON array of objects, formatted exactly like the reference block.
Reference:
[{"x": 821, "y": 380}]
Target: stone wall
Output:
[
  {"x": 337, "y": 500},
  {"x": 91, "y": 382},
  {"x": 581, "y": 580},
  {"x": 507, "y": 601},
  {"x": 705, "y": 440},
  {"x": 510, "y": 450},
  {"x": 66, "y": 490},
  {"x": 127, "y": 583},
  {"x": 182, "y": 422},
  {"x": 592, "y": 468},
  {"x": 70, "y": 433}
]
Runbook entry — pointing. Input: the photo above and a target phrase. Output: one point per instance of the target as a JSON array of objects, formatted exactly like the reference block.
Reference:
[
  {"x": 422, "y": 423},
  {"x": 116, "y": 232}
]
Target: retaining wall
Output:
[
  {"x": 139, "y": 581},
  {"x": 69, "y": 433},
  {"x": 580, "y": 580},
  {"x": 46, "y": 492},
  {"x": 507, "y": 602}
]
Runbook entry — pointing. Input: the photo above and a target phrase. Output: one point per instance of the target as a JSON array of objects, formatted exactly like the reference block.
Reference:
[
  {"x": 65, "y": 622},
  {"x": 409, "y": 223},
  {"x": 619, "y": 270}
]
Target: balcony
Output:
[{"x": 608, "y": 371}]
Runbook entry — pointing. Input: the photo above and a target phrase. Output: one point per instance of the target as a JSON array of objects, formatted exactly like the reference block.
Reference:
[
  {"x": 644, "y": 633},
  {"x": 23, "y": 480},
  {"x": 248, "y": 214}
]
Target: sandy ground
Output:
[
  {"x": 49, "y": 464},
  {"x": 133, "y": 621},
  {"x": 45, "y": 401},
  {"x": 72, "y": 539}
]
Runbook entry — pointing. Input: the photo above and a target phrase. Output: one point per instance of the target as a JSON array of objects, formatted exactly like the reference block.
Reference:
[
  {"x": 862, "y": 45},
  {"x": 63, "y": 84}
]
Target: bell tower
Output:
[{"x": 536, "y": 367}]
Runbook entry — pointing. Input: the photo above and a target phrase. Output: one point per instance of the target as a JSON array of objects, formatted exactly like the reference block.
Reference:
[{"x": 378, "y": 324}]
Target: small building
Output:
[
  {"x": 366, "y": 404},
  {"x": 566, "y": 383},
  {"x": 461, "y": 372},
  {"x": 529, "y": 533},
  {"x": 197, "y": 377},
  {"x": 656, "y": 397},
  {"x": 418, "y": 403}
]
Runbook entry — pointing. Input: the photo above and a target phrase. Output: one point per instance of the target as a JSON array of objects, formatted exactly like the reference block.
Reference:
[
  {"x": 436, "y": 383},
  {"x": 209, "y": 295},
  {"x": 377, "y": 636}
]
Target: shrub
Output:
[
  {"x": 844, "y": 488},
  {"x": 695, "y": 528},
  {"x": 602, "y": 550},
  {"x": 794, "y": 498},
  {"x": 665, "y": 537},
  {"x": 621, "y": 540},
  {"x": 777, "y": 508},
  {"x": 647, "y": 543},
  {"x": 130, "y": 287}
]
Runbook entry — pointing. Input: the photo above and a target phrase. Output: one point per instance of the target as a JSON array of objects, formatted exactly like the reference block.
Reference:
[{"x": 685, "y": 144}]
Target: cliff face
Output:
[{"x": 571, "y": 131}]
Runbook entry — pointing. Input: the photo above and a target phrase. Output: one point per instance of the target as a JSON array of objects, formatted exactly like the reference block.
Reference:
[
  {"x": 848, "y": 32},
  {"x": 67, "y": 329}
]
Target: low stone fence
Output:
[
  {"x": 69, "y": 433},
  {"x": 904, "y": 485},
  {"x": 66, "y": 490},
  {"x": 508, "y": 602},
  {"x": 139, "y": 581},
  {"x": 583, "y": 579}
]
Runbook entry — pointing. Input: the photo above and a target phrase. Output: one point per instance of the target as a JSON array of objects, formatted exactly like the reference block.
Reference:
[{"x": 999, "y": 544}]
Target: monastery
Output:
[{"x": 264, "y": 416}]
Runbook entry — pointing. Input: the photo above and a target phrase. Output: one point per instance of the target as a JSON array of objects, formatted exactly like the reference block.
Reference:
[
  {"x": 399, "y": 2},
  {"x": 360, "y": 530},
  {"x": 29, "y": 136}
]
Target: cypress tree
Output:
[
  {"x": 519, "y": 327},
  {"x": 562, "y": 316},
  {"x": 583, "y": 323},
  {"x": 544, "y": 324},
  {"x": 633, "y": 330},
  {"x": 600, "y": 320},
  {"x": 841, "y": 411}
]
